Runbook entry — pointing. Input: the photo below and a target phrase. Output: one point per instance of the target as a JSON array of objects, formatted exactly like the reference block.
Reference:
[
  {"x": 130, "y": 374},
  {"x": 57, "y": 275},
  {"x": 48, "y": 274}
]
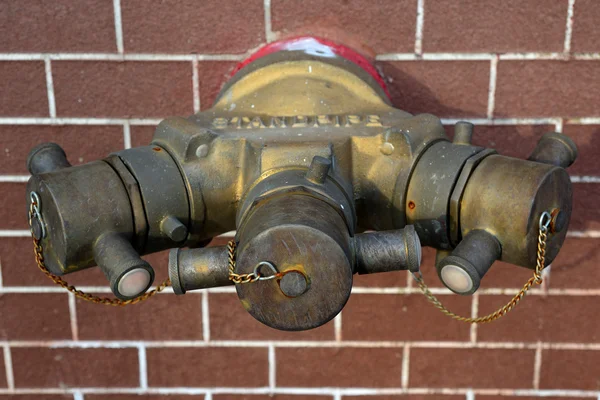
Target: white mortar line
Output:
[
  {"x": 584, "y": 234},
  {"x": 126, "y": 135},
  {"x": 409, "y": 280},
  {"x": 470, "y": 395},
  {"x": 269, "y": 35},
  {"x": 195, "y": 85},
  {"x": 559, "y": 125},
  {"x": 569, "y": 27},
  {"x": 205, "y": 317},
  {"x": 337, "y": 395},
  {"x": 118, "y": 25},
  {"x": 532, "y": 56},
  {"x": 1, "y": 281},
  {"x": 143, "y": 367},
  {"x": 537, "y": 366},
  {"x": 516, "y": 393},
  {"x": 337, "y": 327},
  {"x": 14, "y": 233},
  {"x": 8, "y": 367},
  {"x": 272, "y": 367},
  {"x": 239, "y": 57},
  {"x": 112, "y": 344},
  {"x": 583, "y": 121},
  {"x": 50, "y": 88},
  {"x": 208, "y": 396},
  {"x": 156, "y": 121},
  {"x": 78, "y": 121},
  {"x": 357, "y": 291},
  {"x": 14, "y": 178},
  {"x": 73, "y": 316},
  {"x": 78, "y": 395},
  {"x": 546, "y": 273},
  {"x": 419, "y": 27},
  {"x": 396, "y": 57},
  {"x": 492, "y": 87},
  {"x": 474, "y": 314},
  {"x": 457, "y": 57},
  {"x": 585, "y": 179},
  {"x": 405, "y": 366}
]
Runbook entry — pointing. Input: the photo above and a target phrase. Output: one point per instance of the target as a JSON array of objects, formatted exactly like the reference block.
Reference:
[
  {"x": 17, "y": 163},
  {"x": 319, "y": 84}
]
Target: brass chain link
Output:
[
  {"x": 39, "y": 259},
  {"x": 238, "y": 278},
  {"x": 502, "y": 311},
  {"x": 253, "y": 276}
]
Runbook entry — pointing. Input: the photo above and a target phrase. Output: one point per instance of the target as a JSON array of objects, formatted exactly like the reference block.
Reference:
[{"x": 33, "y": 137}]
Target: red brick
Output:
[
  {"x": 13, "y": 206},
  {"x": 403, "y": 317},
  {"x": 208, "y": 366},
  {"x": 212, "y": 75},
  {"x": 573, "y": 369},
  {"x": 64, "y": 25},
  {"x": 122, "y": 89},
  {"x": 37, "y": 367},
  {"x": 546, "y": 318},
  {"x": 490, "y": 397},
  {"x": 132, "y": 322},
  {"x": 439, "y": 87},
  {"x": 141, "y": 135},
  {"x": 23, "y": 88},
  {"x": 82, "y": 143},
  {"x": 346, "y": 22},
  {"x": 230, "y": 321},
  {"x": 3, "y": 383},
  {"x": 587, "y": 139},
  {"x": 505, "y": 275},
  {"x": 408, "y": 397},
  {"x": 34, "y": 316},
  {"x": 586, "y": 214},
  {"x": 472, "y": 368},
  {"x": 188, "y": 26},
  {"x": 474, "y": 26},
  {"x": 18, "y": 263},
  {"x": 387, "y": 279},
  {"x": 509, "y": 140},
  {"x": 270, "y": 397},
  {"x": 338, "y": 367},
  {"x": 586, "y": 37},
  {"x": 547, "y": 88},
  {"x": 36, "y": 397},
  {"x": 576, "y": 265},
  {"x": 141, "y": 397}
]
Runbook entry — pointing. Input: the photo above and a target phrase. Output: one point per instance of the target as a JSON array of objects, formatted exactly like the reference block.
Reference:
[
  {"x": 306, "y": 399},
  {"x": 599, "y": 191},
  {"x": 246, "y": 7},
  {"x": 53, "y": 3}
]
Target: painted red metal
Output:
[{"x": 318, "y": 47}]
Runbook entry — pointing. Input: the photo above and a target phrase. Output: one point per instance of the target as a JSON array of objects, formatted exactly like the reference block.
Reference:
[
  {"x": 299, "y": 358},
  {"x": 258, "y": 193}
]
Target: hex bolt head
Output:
[
  {"x": 293, "y": 284},
  {"x": 174, "y": 229}
]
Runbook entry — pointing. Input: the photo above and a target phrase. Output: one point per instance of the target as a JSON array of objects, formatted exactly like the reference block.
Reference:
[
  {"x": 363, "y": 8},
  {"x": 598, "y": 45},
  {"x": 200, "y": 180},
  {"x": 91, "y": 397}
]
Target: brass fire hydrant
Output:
[{"x": 304, "y": 157}]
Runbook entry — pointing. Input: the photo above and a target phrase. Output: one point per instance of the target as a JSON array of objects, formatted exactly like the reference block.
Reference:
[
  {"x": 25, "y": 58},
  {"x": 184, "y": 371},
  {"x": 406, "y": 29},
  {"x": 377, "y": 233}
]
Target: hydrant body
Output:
[{"x": 302, "y": 155}]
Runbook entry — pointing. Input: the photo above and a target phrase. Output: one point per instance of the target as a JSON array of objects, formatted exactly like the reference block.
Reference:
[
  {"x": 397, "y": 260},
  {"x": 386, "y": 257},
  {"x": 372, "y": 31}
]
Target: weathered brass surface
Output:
[{"x": 300, "y": 154}]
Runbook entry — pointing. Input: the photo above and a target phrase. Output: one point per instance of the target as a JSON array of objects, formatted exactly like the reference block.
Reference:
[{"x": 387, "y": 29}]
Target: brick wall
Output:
[{"x": 97, "y": 75}]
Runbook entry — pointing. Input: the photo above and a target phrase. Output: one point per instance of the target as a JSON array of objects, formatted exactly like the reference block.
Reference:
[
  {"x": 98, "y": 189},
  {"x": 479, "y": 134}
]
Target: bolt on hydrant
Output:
[{"x": 303, "y": 156}]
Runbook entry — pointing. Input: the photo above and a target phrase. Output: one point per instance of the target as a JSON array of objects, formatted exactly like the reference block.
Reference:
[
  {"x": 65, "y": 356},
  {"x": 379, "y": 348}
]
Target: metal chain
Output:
[
  {"x": 34, "y": 212},
  {"x": 535, "y": 279},
  {"x": 253, "y": 276}
]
